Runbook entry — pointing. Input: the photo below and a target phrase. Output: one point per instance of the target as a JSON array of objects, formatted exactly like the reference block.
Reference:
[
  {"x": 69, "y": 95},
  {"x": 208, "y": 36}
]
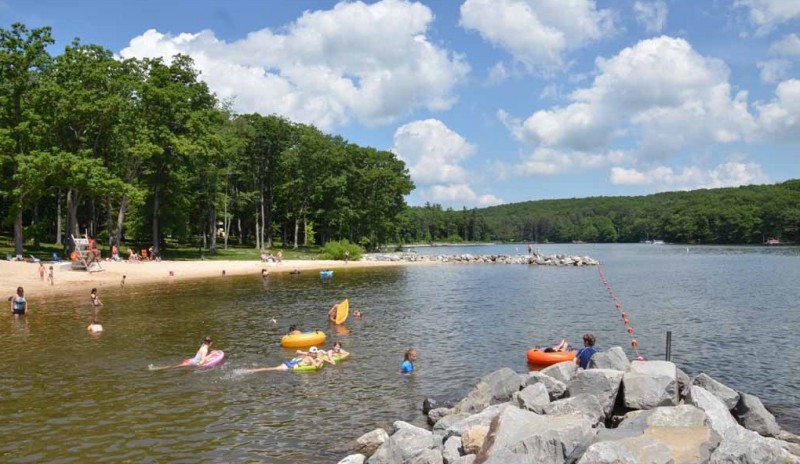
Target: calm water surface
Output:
[{"x": 67, "y": 396}]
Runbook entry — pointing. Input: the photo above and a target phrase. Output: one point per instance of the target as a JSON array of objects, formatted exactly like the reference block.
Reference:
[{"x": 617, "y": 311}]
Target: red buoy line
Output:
[{"x": 623, "y": 314}]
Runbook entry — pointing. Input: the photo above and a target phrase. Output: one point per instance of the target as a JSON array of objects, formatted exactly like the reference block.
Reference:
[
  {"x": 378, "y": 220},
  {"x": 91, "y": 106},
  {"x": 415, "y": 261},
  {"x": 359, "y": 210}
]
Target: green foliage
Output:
[{"x": 336, "y": 250}]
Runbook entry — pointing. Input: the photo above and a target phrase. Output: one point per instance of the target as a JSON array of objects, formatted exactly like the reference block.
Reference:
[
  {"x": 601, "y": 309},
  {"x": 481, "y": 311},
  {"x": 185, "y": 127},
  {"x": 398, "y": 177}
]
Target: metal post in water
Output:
[{"x": 669, "y": 345}]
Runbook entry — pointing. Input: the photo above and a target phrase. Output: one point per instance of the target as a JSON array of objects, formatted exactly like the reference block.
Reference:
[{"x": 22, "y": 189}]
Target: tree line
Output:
[
  {"x": 142, "y": 150},
  {"x": 742, "y": 215}
]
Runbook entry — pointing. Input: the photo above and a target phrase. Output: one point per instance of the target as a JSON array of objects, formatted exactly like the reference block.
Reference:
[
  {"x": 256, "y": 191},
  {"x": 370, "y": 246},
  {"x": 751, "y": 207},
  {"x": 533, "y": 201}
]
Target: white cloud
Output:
[
  {"x": 547, "y": 161},
  {"x": 461, "y": 194},
  {"x": 432, "y": 151},
  {"x": 731, "y": 174},
  {"x": 537, "y": 33},
  {"x": 788, "y": 46},
  {"x": 372, "y": 62},
  {"x": 652, "y": 15},
  {"x": 498, "y": 73},
  {"x": 660, "y": 91},
  {"x": 766, "y": 14},
  {"x": 780, "y": 119},
  {"x": 774, "y": 70}
]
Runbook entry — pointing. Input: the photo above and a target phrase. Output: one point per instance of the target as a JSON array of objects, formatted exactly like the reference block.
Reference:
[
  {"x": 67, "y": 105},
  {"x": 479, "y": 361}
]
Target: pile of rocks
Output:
[
  {"x": 538, "y": 259},
  {"x": 616, "y": 411}
]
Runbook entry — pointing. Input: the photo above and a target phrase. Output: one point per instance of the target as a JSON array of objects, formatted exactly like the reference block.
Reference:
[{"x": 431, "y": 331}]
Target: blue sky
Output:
[{"x": 495, "y": 101}]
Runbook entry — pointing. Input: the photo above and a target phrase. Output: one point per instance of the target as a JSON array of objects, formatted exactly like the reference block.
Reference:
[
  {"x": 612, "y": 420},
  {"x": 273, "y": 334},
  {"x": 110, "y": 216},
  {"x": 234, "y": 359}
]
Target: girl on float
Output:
[{"x": 310, "y": 359}]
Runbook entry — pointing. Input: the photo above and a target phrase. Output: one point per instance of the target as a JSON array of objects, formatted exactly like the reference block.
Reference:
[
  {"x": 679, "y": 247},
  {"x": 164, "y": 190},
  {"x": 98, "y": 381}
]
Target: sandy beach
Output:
[{"x": 14, "y": 274}]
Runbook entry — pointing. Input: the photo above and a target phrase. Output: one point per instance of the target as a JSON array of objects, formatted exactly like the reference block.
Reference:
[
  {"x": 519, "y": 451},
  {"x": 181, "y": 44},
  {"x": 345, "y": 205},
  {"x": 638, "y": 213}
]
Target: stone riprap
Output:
[
  {"x": 587, "y": 417},
  {"x": 466, "y": 258}
]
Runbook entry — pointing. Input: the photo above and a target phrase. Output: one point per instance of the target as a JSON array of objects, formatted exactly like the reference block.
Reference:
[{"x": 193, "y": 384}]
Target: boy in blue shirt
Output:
[{"x": 586, "y": 353}]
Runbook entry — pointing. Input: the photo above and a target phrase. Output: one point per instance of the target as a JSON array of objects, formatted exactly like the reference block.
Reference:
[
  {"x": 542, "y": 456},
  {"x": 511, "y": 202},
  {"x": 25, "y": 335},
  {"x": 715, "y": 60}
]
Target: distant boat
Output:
[
  {"x": 772, "y": 241},
  {"x": 658, "y": 242}
]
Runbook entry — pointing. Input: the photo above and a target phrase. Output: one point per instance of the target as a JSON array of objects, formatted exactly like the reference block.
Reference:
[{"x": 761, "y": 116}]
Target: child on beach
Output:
[
  {"x": 122, "y": 282},
  {"x": 41, "y": 271},
  {"x": 50, "y": 276},
  {"x": 408, "y": 364}
]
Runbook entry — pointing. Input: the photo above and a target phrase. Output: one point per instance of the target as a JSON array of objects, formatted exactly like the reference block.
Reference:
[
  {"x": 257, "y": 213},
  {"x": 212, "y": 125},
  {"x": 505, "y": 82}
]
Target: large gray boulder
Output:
[
  {"x": 650, "y": 384},
  {"x": 408, "y": 445},
  {"x": 369, "y": 442},
  {"x": 602, "y": 383},
  {"x": 436, "y": 414},
  {"x": 754, "y": 416},
  {"x": 742, "y": 446},
  {"x": 458, "y": 428},
  {"x": 532, "y": 398},
  {"x": 451, "y": 450},
  {"x": 353, "y": 459},
  {"x": 669, "y": 434},
  {"x": 493, "y": 388},
  {"x": 523, "y": 436},
  {"x": 446, "y": 422},
  {"x": 555, "y": 388},
  {"x": 563, "y": 371},
  {"x": 583, "y": 404},
  {"x": 684, "y": 382},
  {"x": 613, "y": 358},
  {"x": 726, "y": 394},
  {"x": 719, "y": 418}
]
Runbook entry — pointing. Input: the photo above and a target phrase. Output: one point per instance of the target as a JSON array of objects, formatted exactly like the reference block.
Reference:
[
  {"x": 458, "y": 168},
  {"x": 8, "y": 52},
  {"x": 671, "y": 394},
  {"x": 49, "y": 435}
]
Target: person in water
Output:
[
  {"x": 95, "y": 326},
  {"x": 337, "y": 351},
  {"x": 41, "y": 271},
  {"x": 19, "y": 305},
  {"x": 410, "y": 356},
  {"x": 357, "y": 314},
  {"x": 585, "y": 354},
  {"x": 559, "y": 347},
  {"x": 332, "y": 312},
  {"x": 309, "y": 359},
  {"x": 293, "y": 330},
  {"x": 96, "y": 303},
  {"x": 202, "y": 353},
  {"x": 50, "y": 276}
]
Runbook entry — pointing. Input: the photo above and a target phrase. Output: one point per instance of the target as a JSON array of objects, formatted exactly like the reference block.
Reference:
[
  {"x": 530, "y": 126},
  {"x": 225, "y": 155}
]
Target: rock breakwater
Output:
[
  {"x": 466, "y": 258},
  {"x": 617, "y": 411}
]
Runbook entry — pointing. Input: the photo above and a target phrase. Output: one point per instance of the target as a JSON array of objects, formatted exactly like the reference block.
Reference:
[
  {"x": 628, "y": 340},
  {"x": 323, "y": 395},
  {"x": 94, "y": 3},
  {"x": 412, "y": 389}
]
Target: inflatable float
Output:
[
  {"x": 543, "y": 358},
  {"x": 214, "y": 358},
  {"x": 304, "y": 339},
  {"x": 325, "y": 274},
  {"x": 342, "y": 310},
  {"x": 305, "y": 368}
]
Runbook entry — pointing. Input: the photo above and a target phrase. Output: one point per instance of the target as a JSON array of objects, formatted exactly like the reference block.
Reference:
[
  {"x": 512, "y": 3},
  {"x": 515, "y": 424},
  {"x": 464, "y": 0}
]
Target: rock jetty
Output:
[
  {"x": 617, "y": 411},
  {"x": 537, "y": 259}
]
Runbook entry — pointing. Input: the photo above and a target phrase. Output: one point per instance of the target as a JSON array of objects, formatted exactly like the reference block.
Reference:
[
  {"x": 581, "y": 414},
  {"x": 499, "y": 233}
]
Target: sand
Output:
[{"x": 14, "y": 274}]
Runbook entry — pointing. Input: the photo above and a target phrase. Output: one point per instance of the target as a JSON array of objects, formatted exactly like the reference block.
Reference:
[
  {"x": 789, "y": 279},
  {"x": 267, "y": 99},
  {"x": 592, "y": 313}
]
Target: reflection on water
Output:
[{"x": 72, "y": 397}]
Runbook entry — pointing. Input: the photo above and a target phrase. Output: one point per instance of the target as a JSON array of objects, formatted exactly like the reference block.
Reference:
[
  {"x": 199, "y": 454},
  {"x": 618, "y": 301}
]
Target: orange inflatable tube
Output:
[{"x": 542, "y": 358}]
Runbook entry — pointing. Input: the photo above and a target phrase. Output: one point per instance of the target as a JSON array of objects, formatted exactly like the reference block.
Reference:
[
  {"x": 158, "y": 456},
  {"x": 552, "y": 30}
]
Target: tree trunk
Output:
[
  {"x": 239, "y": 227},
  {"x": 123, "y": 209},
  {"x": 212, "y": 228},
  {"x": 72, "y": 212},
  {"x": 305, "y": 231},
  {"x": 296, "y": 229},
  {"x": 268, "y": 215},
  {"x": 33, "y": 223},
  {"x": 109, "y": 223},
  {"x": 19, "y": 238},
  {"x": 156, "y": 245},
  {"x": 258, "y": 234},
  {"x": 262, "y": 219},
  {"x": 58, "y": 218}
]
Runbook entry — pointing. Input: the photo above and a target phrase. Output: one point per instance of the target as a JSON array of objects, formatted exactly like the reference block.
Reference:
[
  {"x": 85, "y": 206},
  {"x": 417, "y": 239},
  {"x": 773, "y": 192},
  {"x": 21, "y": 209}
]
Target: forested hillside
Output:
[
  {"x": 743, "y": 215},
  {"x": 141, "y": 150}
]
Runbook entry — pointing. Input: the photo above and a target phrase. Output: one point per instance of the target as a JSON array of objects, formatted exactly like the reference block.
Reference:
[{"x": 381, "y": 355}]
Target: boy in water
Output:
[
  {"x": 95, "y": 299},
  {"x": 50, "y": 276}
]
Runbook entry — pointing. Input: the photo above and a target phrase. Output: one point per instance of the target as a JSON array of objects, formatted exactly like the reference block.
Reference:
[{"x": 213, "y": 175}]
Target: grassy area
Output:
[{"x": 174, "y": 251}]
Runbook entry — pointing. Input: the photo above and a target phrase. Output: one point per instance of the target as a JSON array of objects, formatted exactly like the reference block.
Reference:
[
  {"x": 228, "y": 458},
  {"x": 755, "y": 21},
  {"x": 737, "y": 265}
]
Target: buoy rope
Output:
[{"x": 625, "y": 316}]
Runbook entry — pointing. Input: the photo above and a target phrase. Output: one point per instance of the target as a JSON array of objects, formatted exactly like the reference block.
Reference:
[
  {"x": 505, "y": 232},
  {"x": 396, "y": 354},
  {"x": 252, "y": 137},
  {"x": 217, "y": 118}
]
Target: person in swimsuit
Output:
[
  {"x": 310, "y": 359},
  {"x": 560, "y": 346},
  {"x": 336, "y": 351},
  {"x": 95, "y": 299},
  {"x": 293, "y": 330},
  {"x": 41, "y": 272},
  {"x": 202, "y": 353},
  {"x": 19, "y": 305},
  {"x": 332, "y": 312},
  {"x": 408, "y": 363},
  {"x": 357, "y": 314},
  {"x": 50, "y": 276}
]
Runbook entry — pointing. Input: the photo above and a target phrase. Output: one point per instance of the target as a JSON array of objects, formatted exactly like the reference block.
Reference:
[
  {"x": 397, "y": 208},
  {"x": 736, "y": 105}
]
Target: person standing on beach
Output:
[
  {"x": 96, "y": 303},
  {"x": 346, "y": 256},
  {"x": 50, "y": 276},
  {"x": 19, "y": 305},
  {"x": 41, "y": 271},
  {"x": 408, "y": 363}
]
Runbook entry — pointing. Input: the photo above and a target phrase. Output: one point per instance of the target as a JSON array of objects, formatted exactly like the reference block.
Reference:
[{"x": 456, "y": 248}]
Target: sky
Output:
[{"x": 494, "y": 101}]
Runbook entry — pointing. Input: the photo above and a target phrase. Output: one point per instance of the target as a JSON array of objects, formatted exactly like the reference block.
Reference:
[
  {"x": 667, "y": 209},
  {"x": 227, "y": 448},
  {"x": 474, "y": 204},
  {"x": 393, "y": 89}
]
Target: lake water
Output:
[{"x": 68, "y": 396}]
